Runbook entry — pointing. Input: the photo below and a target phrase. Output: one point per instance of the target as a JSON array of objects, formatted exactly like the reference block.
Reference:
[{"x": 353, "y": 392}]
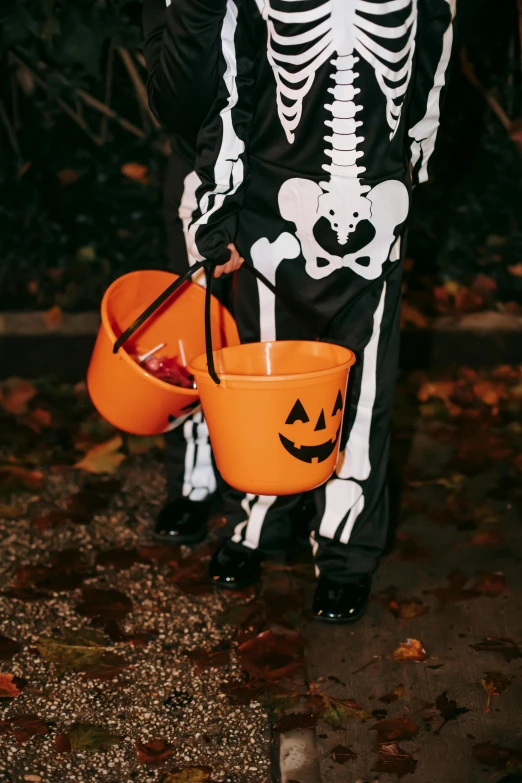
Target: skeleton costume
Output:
[{"x": 303, "y": 161}]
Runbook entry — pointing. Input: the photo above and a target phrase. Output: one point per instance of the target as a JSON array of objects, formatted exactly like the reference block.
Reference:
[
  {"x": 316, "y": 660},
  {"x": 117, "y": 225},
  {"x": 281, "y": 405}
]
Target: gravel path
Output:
[{"x": 143, "y": 689}]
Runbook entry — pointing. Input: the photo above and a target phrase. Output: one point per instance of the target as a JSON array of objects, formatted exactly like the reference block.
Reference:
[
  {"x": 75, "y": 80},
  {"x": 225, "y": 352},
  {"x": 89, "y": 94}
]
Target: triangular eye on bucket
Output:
[
  {"x": 297, "y": 413},
  {"x": 338, "y": 403},
  {"x": 321, "y": 422}
]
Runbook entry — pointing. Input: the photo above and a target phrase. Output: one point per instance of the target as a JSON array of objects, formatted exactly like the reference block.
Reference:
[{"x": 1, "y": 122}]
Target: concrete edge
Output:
[
  {"x": 87, "y": 323},
  {"x": 298, "y": 760}
]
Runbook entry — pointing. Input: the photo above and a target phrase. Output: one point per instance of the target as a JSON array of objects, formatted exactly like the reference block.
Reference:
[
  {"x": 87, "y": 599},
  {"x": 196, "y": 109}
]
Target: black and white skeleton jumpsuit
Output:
[{"x": 303, "y": 161}]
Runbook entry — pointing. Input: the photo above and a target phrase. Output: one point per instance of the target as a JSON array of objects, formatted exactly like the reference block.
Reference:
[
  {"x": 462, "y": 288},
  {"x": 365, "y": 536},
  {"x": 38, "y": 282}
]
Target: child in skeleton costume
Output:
[{"x": 303, "y": 163}]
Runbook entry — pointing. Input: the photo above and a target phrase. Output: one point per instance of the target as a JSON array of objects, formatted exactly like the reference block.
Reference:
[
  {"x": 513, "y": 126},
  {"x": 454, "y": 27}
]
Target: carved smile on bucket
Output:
[{"x": 312, "y": 452}]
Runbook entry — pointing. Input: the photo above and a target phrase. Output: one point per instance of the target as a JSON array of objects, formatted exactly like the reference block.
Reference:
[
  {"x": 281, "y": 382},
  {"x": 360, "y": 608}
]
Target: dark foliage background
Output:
[{"x": 82, "y": 162}]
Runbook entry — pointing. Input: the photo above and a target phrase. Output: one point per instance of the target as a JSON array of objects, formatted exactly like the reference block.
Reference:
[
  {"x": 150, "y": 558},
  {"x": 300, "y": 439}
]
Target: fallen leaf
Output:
[
  {"x": 190, "y": 575},
  {"x": 491, "y": 584},
  {"x": 395, "y": 761},
  {"x": 136, "y": 638},
  {"x": 108, "y": 667},
  {"x": 337, "y": 712},
  {"x": 62, "y": 743},
  {"x": 442, "y": 390},
  {"x": 392, "y": 696},
  {"x": 408, "y": 608},
  {"x": 135, "y": 171},
  {"x": 84, "y": 651},
  {"x": 497, "y": 756},
  {"x": 160, "y": 553},
  {"x": 448, "y": 710},
  {"x": 8, "y": 686},
  {"x": 15, "y": 394},
  {"x": 189, "y": 775},
  {"x": 66, "y": 571},
  {"x": 103, "y": 458},
  {"x": 515, "y": 270},
  {"x": 154, "y": 752},
  {"x": 486, "y": 538},
  {"x": 494, "y": 683},
  {"x": 342, "y": 754},
  {"x": 52, "y": 318},
  {"x": 506, "y": 647},
  {"x": 104, "y": 605},
  {"x": 391, "y": 729},
  {"x": 411, "y": 315},
  {"x": 272, "y": 656},
  {"x": 490, "y": 392},
  {"x": 87, "y": 737},
  {"x": 295, "y": 720},
  {"x": 8, "y": 648},
  {"x": 51, "y": 519},
  {"x": 121, "y": 559},
  {"x": 23, "y": 727},
  {"x": 455, "y": 589},
  {"x": 207, "y": 659},
  {"x": 10, "y": 511},
  {"x": 410, "y": 650},
  {"x": 484, "y": 285},
  {"x": 67, "y": 177},
  {"x": 14, "y": 478},
  {"x": 407, "y": 548}
]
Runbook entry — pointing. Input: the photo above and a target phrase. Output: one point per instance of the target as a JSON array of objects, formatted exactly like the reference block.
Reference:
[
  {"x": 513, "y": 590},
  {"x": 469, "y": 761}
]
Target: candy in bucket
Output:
[{"x": 166, "y": 368}]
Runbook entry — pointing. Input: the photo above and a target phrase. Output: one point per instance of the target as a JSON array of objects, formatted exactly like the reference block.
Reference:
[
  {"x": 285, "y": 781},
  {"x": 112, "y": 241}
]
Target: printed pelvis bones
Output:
[{"x": 343, "y": 200}]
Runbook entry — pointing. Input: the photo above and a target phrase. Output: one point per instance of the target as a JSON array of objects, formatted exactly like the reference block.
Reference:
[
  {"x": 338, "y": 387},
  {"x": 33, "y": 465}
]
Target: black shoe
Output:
[
  {"x": 341, "y": 602},
  {"x": 235, "y": 568},
  {"x": 183, "y": 521}
]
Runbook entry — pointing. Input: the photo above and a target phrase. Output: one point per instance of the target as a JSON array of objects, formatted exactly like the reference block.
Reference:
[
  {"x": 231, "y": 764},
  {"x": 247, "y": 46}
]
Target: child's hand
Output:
[{"x": 232, "y": 265}]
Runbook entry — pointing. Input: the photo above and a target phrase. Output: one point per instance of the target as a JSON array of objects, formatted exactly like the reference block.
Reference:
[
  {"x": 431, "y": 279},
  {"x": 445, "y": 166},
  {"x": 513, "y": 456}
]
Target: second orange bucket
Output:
[{"x": 275, "y": 418}]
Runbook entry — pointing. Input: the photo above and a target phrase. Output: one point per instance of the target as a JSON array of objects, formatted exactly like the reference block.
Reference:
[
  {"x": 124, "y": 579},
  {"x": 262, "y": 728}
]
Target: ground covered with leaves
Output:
[{"x": 119, "y": 662}]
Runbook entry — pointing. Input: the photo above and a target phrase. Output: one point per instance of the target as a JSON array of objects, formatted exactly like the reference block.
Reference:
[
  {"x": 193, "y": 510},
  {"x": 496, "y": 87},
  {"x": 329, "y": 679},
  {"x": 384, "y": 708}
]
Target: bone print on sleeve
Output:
[
  {"x": 181, "y": 46},
  {"x": 221, "y": 163},
  {"x": 434, "y": 46}
]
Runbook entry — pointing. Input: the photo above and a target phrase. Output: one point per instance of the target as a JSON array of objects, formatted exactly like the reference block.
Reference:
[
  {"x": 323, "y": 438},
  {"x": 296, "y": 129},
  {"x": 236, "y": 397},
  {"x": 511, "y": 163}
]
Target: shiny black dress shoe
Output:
[
  {"x": 183, "y": 521},
  {"x": 341, "y": 602},
  {"x": 234, "y": 567}
]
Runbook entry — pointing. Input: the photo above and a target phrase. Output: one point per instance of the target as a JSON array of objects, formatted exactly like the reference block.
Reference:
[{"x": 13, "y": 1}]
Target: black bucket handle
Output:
[{"x": 301, "y": 312}]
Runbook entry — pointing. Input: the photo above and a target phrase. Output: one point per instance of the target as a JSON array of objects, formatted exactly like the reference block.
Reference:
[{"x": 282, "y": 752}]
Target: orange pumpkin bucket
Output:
[
  {"x": 124, "y": 392},
  {"x": 275, "y": 417}
]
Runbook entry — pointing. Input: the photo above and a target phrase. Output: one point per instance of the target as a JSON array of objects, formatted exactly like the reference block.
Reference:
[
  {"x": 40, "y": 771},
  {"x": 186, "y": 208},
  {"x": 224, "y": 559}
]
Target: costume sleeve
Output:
[
  {"x": 181, "y": 47},
  {"x": 222, "y": 162},
  {"x": 434, "y": 44}
]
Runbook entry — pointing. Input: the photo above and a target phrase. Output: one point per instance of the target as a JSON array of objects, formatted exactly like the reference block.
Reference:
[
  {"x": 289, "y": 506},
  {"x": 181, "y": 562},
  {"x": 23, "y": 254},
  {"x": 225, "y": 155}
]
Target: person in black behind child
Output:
[{"x": 310, "y": 116}]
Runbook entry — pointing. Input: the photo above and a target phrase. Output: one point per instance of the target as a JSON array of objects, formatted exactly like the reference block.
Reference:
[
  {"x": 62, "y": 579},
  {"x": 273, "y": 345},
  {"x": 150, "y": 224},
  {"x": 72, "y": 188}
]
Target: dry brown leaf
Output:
[
  {"x": 408, "y": 608},
  {"x": 392, "y": 696},
  {"x": 135, "y": 171},
  {"x": 395, "y": 729},
  {"x": 8, "y": 686},
  {"x": 14, "y": 477},
  {"x": 410, "y": 650},
  {"x": 486, "y": 538},
  {"x": 53, "y": 317},
  {"x": 155, "y": 752},
  {"x": 67, "y": 176},
  {"x": 411, "y": 315},
  {"x": 103, "y": 458},
  {"x": 394, "y": 760},
  {"x": 494, "y": 683},
  {"x": 15, "y": 393},
  {"x": 491, "y": 584}
]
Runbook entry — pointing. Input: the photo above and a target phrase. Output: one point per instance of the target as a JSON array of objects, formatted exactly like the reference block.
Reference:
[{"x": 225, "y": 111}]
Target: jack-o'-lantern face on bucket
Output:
[{"x": 313, "y": 438}]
